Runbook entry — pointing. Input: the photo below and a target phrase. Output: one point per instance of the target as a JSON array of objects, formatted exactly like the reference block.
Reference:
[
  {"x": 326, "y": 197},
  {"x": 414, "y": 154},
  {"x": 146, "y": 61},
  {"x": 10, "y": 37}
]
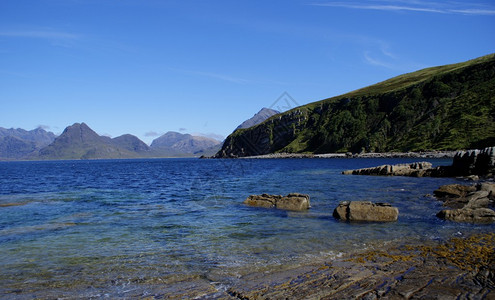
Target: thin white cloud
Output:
[
  {"x": 212, "y": 75},
  {"x": 416, "y": 6},
  {"x": 474, "y": 11},
  {"x": 376, "y": 62}
]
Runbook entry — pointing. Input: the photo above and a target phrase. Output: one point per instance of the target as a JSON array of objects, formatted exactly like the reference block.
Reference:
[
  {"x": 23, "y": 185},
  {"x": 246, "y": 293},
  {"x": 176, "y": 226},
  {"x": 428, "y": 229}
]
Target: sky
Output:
[{"x": 146, "y": 67}]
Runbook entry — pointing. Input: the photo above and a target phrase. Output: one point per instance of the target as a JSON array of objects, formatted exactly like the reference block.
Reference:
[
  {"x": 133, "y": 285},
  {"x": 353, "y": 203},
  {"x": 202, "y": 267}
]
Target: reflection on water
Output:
[{"x": 132, "y": 227}]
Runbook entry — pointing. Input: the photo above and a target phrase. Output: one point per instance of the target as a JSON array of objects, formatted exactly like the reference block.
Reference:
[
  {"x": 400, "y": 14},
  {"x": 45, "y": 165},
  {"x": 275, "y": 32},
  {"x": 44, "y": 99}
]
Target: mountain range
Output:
[
  {"x": 20, "y": 143},
  {"x": 447, "y": 107},
  {"x": 79, "y": 141}
]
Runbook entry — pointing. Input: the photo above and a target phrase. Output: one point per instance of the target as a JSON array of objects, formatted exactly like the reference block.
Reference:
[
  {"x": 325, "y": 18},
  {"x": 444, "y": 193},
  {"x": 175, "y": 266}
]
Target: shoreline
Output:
[
  {"x": 459, "y": 268},
  {"x": 426, "y": 154}
]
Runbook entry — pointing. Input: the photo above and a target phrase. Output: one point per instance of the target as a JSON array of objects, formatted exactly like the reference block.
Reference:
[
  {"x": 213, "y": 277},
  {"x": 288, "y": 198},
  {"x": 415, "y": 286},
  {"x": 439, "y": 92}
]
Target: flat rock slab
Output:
[
  {"x": 397, "y": 272},
  {"x": 365, "y": 211},
  {"x": 293, "y": 201},
  {"x": 417, "y": 169}
]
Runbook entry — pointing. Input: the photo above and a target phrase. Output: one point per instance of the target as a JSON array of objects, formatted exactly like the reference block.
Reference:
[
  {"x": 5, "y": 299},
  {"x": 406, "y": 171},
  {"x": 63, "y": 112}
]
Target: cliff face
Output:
[
  {"x": 442, "y": 108},
  {"x": 258, "y": 118}
]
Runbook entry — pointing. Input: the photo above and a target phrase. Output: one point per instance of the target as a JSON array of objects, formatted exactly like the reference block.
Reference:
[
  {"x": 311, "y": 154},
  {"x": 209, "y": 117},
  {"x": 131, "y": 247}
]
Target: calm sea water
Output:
[{"x": 132, "y": 227}]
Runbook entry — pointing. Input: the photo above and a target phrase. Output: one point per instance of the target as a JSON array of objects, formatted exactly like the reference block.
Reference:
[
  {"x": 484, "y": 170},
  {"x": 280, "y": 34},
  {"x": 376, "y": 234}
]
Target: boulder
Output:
[
  {"x": 366, "y": 211},
  {"x": 469, "y": 203},
  {"x": 293, "y": 201},
  {"x": 477, "y": 199},
  {"x": 453, "y": 191},
  {"x": 488, "y": 187},
  {"x": 476, "y": 215}
]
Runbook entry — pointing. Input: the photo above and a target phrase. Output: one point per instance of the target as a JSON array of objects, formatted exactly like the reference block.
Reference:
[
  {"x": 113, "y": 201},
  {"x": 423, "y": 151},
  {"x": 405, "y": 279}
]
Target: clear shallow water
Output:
[{"x": 123, "y": 227}]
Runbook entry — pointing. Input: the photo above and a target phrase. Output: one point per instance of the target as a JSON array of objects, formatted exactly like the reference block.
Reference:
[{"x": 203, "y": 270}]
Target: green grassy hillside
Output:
[{"x": 441, "y": 108}]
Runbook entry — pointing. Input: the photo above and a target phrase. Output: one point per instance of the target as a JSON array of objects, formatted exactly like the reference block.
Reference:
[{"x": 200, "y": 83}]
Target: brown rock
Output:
[
  {"x": 454, "y": 191},
  {"x": 477, "y": 215},
  {"x": 366, "y": 211},
  {"x": 477, "y": 199},
  {"x": 293, "y": 201},
  {"x": 416, "y": 169},
  {"x": 489, "y": 187}
]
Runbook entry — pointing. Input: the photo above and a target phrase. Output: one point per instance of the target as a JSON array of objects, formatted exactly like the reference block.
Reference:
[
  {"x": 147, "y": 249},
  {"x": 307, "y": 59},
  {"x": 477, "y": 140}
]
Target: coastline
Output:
[
  {"x": 426, "y": 154},
  {"x": 460, "y": 268}
]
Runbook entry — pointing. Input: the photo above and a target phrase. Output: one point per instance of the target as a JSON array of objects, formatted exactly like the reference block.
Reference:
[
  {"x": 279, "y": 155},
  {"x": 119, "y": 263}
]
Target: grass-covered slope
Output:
[{"x": 441, "y": 108}]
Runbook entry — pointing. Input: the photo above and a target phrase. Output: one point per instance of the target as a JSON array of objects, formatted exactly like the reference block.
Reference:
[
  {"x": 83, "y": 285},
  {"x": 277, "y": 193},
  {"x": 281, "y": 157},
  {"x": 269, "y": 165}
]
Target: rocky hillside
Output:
[
  {"x": 441, "y": 108},
  {"x": 19, "y": 143},
  {"x": 258, "y": 118},
  {"x": 178, "y": 144},
  {"x": 81, "y": 142}
]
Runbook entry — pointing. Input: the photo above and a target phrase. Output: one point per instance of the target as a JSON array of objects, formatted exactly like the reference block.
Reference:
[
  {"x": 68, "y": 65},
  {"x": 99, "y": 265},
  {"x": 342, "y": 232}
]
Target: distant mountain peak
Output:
[
  {"x": 258, "y": 118},
  {"x": 179, "y": 143},
  {"x": 21, "y": 144}
]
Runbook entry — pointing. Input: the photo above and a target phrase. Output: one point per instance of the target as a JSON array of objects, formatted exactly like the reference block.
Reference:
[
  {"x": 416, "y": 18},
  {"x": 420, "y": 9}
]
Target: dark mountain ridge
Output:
[
  {"x": 441, "y": 108},
  {"x": 78, "y": 141}
]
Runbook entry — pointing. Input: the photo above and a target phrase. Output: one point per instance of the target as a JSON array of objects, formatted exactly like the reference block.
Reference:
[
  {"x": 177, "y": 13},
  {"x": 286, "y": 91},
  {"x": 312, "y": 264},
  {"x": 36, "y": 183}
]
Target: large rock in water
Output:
[
  {"x": 365, "y": 211},
  {"x": 476, "y": 215},
  {"x": 470, "y": 203},
  {"x": 293, "y": 201}
]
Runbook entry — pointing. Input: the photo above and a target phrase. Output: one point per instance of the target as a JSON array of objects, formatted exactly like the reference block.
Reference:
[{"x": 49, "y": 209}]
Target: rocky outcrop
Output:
[
  {"x": 293, "y": 201},
  {"x": 465, "y": 163},
  {"x": 417, "y": 169},
  {"x": 258, "y": 118},
  {"x": 469, "y": 215},
  {"x": 469, "y": 203},
  {"x": 474, "y": 162},
  {"x": 365, "y": 211}
]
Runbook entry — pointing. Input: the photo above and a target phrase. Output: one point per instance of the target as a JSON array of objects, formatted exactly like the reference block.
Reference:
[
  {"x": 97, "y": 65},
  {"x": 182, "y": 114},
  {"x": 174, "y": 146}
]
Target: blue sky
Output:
[{"x": 146, "y": 67}]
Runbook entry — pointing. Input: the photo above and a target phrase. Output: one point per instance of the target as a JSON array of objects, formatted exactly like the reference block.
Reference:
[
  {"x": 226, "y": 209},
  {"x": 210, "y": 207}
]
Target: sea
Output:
[{"x": 159, "y": 227}]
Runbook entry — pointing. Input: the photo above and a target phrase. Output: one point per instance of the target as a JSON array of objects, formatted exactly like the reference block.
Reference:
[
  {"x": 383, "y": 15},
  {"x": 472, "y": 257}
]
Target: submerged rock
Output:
[
  {"x": 293, "y": 201},
  {"x": 365, "y": 211}
]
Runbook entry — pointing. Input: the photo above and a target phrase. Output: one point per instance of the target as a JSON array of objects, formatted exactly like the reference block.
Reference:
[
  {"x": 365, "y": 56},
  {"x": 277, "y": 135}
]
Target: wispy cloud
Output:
[
  {"x": 44, "y": 127},
  {"x": 416, "y": 6},
  {"x": 212, "y": 75}
]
